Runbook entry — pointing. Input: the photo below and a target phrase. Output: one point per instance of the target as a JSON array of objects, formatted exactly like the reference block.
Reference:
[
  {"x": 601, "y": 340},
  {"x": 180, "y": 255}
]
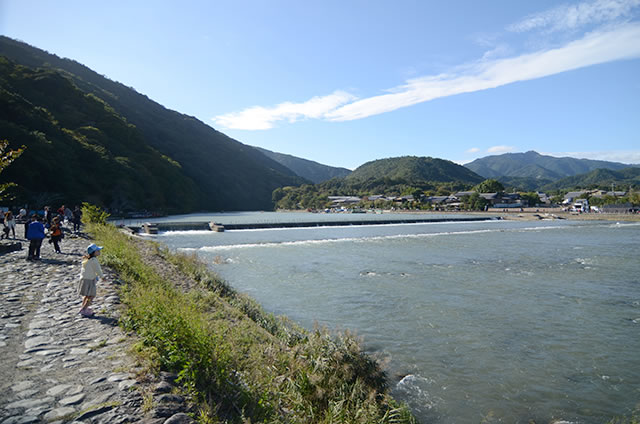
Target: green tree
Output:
[
  {"x": 92, "y": 214},
  {"x": 531, "y": 198},
  {"x": 557, "y": 198},
  {"x": 5, "y": 161},
  {"x": 475, "y": 202},
  {"x": 277, "y": 195},
  {"x": 489, "y": 186}
]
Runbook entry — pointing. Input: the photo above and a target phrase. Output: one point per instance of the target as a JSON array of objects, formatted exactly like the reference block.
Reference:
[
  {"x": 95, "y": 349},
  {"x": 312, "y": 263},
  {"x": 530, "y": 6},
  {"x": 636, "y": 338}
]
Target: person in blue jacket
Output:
[{"x": 35, "y": 234}]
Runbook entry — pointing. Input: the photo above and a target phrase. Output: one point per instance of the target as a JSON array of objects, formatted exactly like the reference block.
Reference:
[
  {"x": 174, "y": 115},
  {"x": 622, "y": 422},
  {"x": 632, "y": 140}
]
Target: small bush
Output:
[{"x": 92, "y": 214}]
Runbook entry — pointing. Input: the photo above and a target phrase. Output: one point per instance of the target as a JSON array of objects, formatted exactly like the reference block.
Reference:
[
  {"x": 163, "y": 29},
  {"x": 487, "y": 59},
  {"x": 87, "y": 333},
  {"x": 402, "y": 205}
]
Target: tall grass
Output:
[{"x": 238, "y": 363}]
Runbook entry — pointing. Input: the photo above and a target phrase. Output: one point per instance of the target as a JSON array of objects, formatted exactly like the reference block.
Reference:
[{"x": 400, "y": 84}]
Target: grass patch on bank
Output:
[{"x": 239, "y": 363}]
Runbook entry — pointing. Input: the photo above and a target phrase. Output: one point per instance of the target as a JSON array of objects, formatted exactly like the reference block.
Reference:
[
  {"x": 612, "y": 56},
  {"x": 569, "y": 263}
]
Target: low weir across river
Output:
[{"x": 204, "y": 226}]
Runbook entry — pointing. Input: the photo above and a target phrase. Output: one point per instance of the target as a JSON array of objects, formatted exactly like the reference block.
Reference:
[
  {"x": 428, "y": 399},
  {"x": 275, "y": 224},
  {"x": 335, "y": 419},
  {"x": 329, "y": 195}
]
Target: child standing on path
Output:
[
  {"x": 91, "y": 272},
  {"x": 56, "y": 233}
]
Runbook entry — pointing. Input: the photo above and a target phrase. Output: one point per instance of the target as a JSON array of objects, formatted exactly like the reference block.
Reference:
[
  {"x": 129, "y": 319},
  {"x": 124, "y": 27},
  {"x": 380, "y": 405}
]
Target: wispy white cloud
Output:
[
  {"x": 573, "y": 16},
  {"x": 608, "y": 44},
  {"x": 595, "y": 48},
  {"x": 472, "y": 150},
  {"x": 500, "y": 149},
  {"x": 262, "y": 118}
]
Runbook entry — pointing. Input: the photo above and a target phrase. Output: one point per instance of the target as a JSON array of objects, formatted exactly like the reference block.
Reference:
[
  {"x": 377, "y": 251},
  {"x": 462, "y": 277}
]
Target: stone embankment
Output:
[{"x": 58, "y": 366}]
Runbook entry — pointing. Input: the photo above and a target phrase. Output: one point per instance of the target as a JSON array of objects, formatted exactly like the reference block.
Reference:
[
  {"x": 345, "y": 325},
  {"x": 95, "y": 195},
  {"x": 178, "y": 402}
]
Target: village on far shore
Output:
[{"x": 575, "y": 202}]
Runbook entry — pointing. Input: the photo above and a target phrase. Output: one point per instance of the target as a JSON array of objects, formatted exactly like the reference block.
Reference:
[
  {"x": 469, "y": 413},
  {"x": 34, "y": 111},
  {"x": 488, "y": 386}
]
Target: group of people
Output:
[
  {"x": 90, "y": 272},
  {"x": 37, "y": 228},
  {"x": 35, "y": 231},
  {"x": 64, "y": 214}
]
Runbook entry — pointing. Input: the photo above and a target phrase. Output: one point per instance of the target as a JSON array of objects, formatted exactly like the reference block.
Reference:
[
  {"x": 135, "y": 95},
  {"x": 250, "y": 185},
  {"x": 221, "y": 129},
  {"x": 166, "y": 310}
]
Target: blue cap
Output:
[{"x": 93, "y": 248}]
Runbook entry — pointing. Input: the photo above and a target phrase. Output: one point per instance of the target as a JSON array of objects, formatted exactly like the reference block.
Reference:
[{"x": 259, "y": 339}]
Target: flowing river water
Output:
[{"x": 497, "y": 321}]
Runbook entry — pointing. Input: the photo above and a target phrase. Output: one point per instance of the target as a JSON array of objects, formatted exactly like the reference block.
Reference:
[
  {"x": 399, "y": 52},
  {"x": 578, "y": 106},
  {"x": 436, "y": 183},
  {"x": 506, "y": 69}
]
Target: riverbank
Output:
[
  {"x": 514, "y": 214},
  {"x": 535, "y": 214},
  {"x": 551, "y": 213},
  {"x": 58, "y": 366},
  {"x": 235, "y": 362}
]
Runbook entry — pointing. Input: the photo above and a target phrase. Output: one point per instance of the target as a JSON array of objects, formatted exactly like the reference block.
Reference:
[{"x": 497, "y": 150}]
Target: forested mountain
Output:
[
  {"x": 55, "y": 105},
  {"x": 308, "y": 169},
  {"x": 415, "y": 169},
  {"x": 512, "y": 184},
  {"x": 534, "y": 165},
  {"x": 389, "y": 177},
  {"x": 600, "y": 179},
  {"x": 80, "y": 149}
]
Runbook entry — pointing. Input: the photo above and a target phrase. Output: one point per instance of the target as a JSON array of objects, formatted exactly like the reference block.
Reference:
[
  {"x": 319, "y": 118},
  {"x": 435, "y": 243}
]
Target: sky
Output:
[{"x": 345, "y": 82}]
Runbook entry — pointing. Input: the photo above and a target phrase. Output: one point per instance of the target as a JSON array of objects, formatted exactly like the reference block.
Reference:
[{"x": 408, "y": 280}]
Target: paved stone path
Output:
[{"x": 57, "y": 366}]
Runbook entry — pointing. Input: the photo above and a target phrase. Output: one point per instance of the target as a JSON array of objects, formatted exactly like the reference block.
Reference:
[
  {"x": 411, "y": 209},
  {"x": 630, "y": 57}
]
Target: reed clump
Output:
[{"x": 238, "y": 363}]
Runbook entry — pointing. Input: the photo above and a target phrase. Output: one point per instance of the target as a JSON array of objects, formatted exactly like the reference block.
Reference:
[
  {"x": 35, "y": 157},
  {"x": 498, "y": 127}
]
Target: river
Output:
[{"x": 497, "y": 321}]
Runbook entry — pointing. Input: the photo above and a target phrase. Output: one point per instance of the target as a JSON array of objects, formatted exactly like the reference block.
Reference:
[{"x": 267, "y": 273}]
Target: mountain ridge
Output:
[
  {"x": 598, "y": 178},
  {"x": 78, "y": 148},
  {"x": 532, "y": 164},
  {"x": 305, "y": 168},
  {"x": 229, "y": 175},
  {"x": 415, "y": 168}
]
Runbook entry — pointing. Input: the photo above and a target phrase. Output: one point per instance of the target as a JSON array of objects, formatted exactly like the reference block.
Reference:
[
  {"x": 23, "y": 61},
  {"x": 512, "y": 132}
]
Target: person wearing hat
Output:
[{"x": 91, "y": 272}]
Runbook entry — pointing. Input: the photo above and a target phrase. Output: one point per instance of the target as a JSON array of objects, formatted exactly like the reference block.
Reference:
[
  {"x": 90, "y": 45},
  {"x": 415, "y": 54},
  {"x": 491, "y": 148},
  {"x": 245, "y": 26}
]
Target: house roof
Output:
[
  {"x": 489, "y": 196},
  {"x": 574, "y": 194},
  {"x": 344, "y": 199},
  {"x": 463, "y": 193},
  {"x": 437, "y": 199}
]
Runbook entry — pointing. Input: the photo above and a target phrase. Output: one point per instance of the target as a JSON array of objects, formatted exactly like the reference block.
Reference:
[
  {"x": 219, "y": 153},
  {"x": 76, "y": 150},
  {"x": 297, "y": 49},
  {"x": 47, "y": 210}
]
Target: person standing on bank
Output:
[
  {"x": 68, "y": 215},
  {"x": 56, "y": 233},
  {"x": 89, "y": 275},
  {"x": 77, "y": 219},
  {"x": 35, "y": 235},
  {"x": 5, "y": 229},
  {"x": 10, "y": 222},
  {"x": 47, "y": 216}
]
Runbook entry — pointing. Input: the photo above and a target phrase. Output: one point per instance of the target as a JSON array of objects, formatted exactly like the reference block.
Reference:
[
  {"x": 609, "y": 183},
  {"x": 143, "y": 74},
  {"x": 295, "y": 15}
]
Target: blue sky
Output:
[{"x": 345, "y": 82}]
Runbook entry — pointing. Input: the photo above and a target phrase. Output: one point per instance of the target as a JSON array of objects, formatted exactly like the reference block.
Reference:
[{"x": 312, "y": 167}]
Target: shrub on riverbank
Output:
[{"x": 237, "y": 362}]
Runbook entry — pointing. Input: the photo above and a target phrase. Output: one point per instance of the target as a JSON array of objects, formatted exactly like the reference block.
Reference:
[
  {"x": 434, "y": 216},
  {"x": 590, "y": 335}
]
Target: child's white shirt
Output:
[{"x": 91, "y": 269}]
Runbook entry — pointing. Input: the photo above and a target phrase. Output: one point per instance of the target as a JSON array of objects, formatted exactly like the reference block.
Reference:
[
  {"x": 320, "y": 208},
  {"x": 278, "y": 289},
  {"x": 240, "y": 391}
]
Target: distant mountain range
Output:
[
  {"x": 534, "y": 165},
  {"x": 307, "y": 169},
  {"x": 604, "y": 178}
]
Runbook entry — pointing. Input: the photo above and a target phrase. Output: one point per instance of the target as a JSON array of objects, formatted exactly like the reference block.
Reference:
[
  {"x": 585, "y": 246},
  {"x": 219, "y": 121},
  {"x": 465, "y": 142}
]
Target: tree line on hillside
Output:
[
  {"x": 124, "y": 151},
  {"x": 316, "y": 196},
  {"x": 384, "y": 193},
  {"x": 77, "y": 148}
]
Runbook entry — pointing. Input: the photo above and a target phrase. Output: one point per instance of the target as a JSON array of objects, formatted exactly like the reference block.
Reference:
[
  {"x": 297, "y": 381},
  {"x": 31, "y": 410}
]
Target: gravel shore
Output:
[{"x": 58, "y": 366}]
